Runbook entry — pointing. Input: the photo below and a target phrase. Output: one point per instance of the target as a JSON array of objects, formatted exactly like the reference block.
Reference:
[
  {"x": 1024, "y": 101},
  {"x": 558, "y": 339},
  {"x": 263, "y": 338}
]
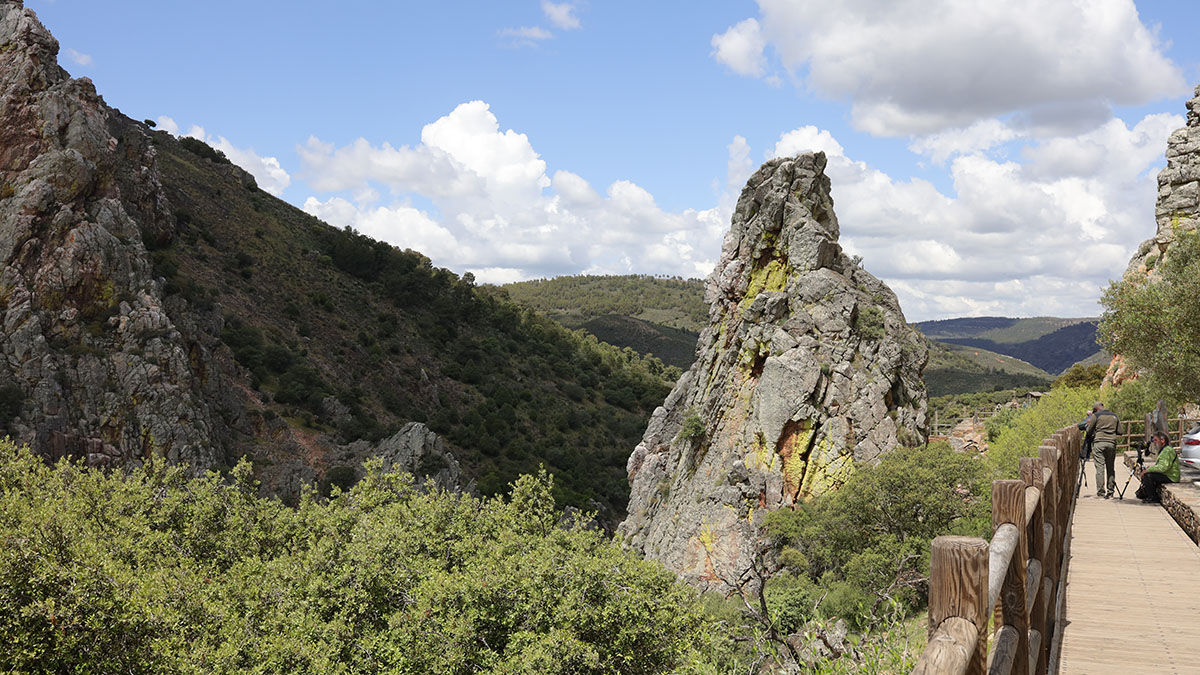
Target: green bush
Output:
[
  {"x": 855, "y": 542},
  {"x": 1026, "y": 431},
  {"x": 869, "y": 322},
  {"x": 150, "y": 571},
  {"x": 1153, "y": 322}
]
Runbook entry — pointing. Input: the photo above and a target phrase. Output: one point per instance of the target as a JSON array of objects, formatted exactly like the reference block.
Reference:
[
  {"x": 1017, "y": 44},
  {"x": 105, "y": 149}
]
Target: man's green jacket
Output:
[{"x": 1168, "y": 464}]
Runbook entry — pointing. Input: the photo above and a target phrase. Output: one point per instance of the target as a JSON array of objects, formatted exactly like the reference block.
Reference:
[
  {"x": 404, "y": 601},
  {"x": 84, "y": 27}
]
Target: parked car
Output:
[{"x": 1189, "y": 448}]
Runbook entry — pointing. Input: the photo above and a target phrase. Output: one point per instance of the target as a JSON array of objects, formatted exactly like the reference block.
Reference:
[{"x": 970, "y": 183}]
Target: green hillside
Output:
[
  {"x": 313, "y": 313},
  {"x": 673, "y": 302},
  {"x": 956, "y": 369},
  {"x": 650, "y": 315}
]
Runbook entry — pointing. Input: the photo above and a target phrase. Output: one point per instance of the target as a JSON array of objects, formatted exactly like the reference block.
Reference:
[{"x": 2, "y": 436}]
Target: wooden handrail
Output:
[{"x": 1018, "y": 575}]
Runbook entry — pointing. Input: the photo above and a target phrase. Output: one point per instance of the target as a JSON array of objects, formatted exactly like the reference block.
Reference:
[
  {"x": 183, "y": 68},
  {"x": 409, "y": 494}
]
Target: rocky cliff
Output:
[
  {"x": 1176, "y": 210},
  {"x": 806, "y": 369},
  {"x": 105, "y": 368},
  {"x": 1178, "y": 206}
]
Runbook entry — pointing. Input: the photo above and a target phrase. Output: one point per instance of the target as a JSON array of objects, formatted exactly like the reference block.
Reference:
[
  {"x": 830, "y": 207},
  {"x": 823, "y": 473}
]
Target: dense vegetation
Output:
[
  {"x": 1080, "y": 375},
  {"x": 651, "y": 315},
  {"x": 153, "y": 572},
  {"x": 1154, "y": 323},
  {"x": 862, "y": 553},
  {"x": 346, "y": 336},
  {"x": 673, "y": 302}
]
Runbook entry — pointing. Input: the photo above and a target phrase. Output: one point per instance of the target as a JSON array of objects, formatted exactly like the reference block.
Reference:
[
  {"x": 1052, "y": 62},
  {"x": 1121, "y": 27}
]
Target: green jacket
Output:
[{"x": 1168, "y": 464}]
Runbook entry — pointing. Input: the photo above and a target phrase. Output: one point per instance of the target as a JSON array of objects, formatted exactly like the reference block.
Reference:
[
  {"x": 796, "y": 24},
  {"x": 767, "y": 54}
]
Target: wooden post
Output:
[
  {"x": 1008, "y": 506},
  {"x": 1031, "y": 474},
  {"x": 958, "y": 576}
]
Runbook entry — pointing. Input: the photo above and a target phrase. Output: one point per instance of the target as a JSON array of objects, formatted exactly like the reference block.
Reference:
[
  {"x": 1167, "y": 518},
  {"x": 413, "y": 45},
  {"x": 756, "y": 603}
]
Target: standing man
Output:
[{"x": 1102, "y": 428}]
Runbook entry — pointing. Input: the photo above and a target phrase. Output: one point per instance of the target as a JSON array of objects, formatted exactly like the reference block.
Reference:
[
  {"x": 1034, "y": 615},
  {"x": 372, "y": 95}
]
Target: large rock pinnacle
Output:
[
  {"x": 104, "y": 371},
  {"x": 807, "y": 368},
  {"x": 1178, "y": 207}
]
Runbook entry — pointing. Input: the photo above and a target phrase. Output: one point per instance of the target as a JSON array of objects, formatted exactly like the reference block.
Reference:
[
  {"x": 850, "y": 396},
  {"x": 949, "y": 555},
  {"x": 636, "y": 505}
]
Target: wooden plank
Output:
[
  {"x": 950, "y": 651},
  {"x": 1000, "y": 555},
  {"x": 1004, "y": 655},
  {"x": 1008, "y": 507},
  {"x": 958, "y": 588}
]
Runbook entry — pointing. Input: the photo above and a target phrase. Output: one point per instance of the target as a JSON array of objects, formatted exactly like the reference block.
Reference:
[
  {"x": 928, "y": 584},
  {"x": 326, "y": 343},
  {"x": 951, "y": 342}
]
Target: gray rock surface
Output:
[
  {"x": 89, "y": 339},
  {"x": 1178, "y": 205},
  {"x": 418, "y": 450},
  {"x": 807, "y": 369}
]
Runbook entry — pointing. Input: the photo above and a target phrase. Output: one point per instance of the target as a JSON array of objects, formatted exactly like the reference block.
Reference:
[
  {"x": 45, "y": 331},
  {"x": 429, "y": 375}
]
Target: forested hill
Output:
[
  {"x": 1050, "y": 343},
  {"x": 313, "y": 312},
  {"x": 651, "y": 315}
]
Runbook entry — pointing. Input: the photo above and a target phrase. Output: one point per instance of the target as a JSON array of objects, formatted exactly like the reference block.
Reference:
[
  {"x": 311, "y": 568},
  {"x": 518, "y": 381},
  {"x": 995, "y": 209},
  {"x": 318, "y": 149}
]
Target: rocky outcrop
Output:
[
  {"x": 1176, "y": 210},
  {"x": 1178, "y": 206},
  {"x": 807, "y": 369},
  {"x": 417, "y": 450},
  {"x": 106, "y": 370}
]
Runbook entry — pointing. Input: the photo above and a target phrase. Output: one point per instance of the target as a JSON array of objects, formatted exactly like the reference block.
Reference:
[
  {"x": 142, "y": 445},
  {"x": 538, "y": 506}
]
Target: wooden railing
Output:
[
  {"x": 1129, "y": 430},
  {"x": 1015, "y": 582}
]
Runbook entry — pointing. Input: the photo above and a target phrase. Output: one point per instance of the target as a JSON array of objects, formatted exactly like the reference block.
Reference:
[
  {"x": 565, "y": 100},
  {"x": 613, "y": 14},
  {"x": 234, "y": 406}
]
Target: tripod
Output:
[{"x": 1138, "y": 465}]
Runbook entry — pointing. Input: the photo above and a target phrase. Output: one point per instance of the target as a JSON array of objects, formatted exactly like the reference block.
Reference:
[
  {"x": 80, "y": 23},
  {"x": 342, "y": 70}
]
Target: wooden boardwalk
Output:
[{"x": 1133, "y": 588}]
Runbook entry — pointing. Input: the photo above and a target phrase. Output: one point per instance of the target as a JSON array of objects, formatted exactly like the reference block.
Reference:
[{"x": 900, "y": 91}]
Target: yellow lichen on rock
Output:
[
  {"x": 770, "y": 277},
  {"x": 824, "y": 473},
  {"x": 707, "y": 539}
]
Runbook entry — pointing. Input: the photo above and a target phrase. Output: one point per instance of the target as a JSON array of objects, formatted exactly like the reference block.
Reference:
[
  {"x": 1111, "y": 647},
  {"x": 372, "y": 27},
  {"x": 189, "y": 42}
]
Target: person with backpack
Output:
[
  {"x": 1165, "y": 470},
  {"x": 1102, "y": 429}
]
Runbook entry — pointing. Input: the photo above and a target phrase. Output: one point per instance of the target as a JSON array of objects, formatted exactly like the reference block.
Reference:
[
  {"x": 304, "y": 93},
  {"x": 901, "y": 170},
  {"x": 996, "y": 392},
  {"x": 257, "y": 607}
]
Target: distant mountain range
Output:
[{"x": 1050, "y": 343}]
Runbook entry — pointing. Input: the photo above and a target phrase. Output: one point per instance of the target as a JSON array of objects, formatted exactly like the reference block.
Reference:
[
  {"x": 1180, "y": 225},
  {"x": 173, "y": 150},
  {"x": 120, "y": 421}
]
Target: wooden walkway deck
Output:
[{"x": 1133, "y": 595}]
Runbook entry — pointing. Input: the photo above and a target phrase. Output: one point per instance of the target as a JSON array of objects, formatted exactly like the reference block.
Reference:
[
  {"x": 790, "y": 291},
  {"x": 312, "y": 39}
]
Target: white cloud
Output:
[
  {"x": 78, "y": 57},
  {"x": 980, "y": 136},
  {"x": 807, "y": 139},
  {"x": 525, "y": 36},
  {"x": 1042, "y": 236},
  {"x": 918, "y": 67},
  {"x": 497, "y": 213},
  {"x": 267, "y": 171},
  {"x": 168, "y": 125},
  {"x": 561, "y": 14},
  {"x": 741, "y": 48}
]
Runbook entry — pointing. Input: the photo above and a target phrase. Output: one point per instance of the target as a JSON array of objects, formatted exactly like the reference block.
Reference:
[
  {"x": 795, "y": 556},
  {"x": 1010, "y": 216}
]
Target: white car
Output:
[{"x": 1189, "y": 448}]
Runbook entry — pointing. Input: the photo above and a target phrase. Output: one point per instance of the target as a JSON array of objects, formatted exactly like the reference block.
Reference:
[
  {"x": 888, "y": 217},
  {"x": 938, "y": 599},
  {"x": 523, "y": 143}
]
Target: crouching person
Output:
[{"x": 1165, "y": 470}]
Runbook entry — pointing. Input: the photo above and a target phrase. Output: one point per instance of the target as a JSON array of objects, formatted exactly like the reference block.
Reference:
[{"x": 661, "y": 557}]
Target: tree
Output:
[{"x": 1154, "y": 321}]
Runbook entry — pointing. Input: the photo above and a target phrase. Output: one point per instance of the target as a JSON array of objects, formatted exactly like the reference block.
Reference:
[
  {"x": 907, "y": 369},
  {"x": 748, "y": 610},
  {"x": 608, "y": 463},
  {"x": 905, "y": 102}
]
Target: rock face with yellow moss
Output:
[{"x": 807, "y": 369}]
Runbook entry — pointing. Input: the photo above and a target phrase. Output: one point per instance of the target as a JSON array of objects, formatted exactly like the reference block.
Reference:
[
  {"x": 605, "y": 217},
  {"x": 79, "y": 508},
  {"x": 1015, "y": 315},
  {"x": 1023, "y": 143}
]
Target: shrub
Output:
[
  {"x": 204, "y": 150},
  {"x": 874, "y": 530},
  {"x": 692, "y": 429},
  {"x": 1026, "y": 431},
  {"x": 150, "y": 571}
]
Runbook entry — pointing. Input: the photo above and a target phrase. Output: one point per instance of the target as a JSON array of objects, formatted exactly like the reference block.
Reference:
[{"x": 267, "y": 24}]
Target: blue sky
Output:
[{"x": 987, "y": 158}]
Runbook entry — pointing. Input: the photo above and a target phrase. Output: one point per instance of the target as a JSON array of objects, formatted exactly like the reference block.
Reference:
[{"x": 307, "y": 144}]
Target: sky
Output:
[{"x": 987, "y": 158}]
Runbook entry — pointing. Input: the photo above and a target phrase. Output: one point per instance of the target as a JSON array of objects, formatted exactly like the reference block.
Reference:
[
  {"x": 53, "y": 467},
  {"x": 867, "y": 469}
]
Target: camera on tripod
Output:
[{"x": 1139, "y": 467}]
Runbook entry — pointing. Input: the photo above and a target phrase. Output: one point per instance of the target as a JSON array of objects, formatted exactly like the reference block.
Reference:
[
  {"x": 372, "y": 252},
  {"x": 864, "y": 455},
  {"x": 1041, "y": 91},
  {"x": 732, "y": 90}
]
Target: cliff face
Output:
[
  {"x": 1178, "y": 206},
  {"x": 806, "y": 369},
  {"x": 1176, "y": 210},
  {"x": 89, "y": 339}
]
